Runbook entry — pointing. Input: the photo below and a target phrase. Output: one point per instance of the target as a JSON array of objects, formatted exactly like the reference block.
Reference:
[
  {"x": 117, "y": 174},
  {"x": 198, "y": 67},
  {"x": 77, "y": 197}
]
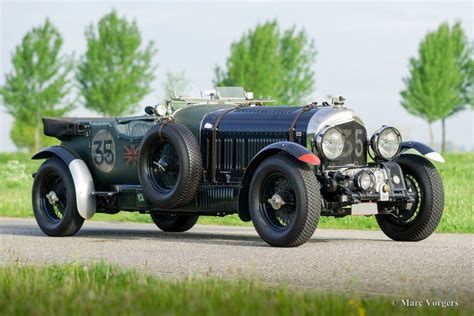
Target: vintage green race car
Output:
[{"x": 281, "y": 167}]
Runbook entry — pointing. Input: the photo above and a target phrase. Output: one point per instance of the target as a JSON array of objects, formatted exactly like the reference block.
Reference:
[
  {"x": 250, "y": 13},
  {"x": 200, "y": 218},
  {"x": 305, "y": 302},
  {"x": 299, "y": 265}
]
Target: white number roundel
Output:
[{"x": 103, "y": 150}]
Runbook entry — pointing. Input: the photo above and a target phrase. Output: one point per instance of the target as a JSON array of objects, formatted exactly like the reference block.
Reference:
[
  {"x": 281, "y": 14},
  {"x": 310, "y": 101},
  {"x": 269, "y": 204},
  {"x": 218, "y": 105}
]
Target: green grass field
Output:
[
  {"x": 101, "y": 289},
  {"x": 457, "y": 174}
]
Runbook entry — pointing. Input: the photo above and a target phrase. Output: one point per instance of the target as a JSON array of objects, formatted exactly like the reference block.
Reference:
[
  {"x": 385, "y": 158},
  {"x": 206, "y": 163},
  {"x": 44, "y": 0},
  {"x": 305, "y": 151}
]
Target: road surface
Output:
[{"x": 367, "y": 262}]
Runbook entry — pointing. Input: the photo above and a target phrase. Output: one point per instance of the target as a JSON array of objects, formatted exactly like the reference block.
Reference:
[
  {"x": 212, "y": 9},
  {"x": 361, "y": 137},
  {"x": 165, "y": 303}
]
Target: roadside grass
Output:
[
  {"x": 457, "y": 174},
  {"x": 102, "y": 289}
]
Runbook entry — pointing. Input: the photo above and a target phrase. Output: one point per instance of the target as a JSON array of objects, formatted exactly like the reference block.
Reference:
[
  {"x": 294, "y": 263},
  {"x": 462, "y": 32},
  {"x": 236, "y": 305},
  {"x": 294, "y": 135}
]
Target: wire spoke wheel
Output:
[
  {"x": 169, "y": 165},
  {"x": 417, "y": 218},
  {"x": 278, "y": 201},
  {"x": 284, "y": 201},
  {"x": 163, "y": 166},
  {"x": 409, "y": 214},
  {"x": 53, "y": 197}
]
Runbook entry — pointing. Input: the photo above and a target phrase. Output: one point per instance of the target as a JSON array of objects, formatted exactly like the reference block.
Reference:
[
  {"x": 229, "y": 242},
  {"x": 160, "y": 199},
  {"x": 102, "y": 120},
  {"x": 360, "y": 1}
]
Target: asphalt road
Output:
[{"x": 440, "y": 267}]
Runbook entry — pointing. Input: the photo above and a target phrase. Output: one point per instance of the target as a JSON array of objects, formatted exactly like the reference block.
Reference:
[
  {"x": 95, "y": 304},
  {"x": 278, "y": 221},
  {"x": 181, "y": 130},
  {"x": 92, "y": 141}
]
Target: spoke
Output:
[
  {"x": 54, "y": 197},
  {"x": 279, "y": 188},
  {"x": 409, "y": 215}
]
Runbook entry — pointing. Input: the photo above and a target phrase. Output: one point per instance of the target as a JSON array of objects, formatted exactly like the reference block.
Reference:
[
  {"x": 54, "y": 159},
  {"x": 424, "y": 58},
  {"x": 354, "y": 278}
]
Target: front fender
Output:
[
  {"x": 423, "y": 149},
  {"x": 81, "y": 176},
  {"x": 295, "y": 150}
]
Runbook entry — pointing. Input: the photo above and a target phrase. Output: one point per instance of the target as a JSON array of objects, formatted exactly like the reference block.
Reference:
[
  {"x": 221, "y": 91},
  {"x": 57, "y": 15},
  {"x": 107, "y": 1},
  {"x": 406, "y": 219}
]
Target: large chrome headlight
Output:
[
  {"x": 330, "y": 142},
  {"x": 386, "y": 142}
]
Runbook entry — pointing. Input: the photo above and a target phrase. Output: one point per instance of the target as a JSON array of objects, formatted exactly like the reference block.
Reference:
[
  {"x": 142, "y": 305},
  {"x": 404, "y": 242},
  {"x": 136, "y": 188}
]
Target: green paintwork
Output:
[
  {"x": 118, "y": 165},
  {"x": 124, "y": 153},
  {"x": 191, "y": 116}
]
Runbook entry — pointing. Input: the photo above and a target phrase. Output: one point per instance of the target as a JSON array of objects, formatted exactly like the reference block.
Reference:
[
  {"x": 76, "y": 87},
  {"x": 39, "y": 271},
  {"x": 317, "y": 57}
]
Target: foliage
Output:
[
  {"x": 23, "y": 135},
  {"x": 176, "y": 82},
  {"x": 457, "y": 174},
  {"x": 115, "y": 73},
  {"x": 102, "y": 289},
  {"x": 468, "y": 89},
  {"x": 38, "y": 84},
  {"x": 271, "y": 62},
  {"x": 13, "y": 171},
  {"x": 440, "y": 77}
]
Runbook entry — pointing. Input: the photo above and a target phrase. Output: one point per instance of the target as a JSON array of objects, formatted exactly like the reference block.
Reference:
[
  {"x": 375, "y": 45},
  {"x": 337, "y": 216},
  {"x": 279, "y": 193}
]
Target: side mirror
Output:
[{"x": 150, "y": 110}]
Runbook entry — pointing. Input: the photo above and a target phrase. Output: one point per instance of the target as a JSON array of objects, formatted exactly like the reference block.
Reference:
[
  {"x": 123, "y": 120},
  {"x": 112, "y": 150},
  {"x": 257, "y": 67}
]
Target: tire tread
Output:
[
  {"x": 195, "y": 172},
  {"x": 75, "y": 222},
  {"x": 312, "y": 207},
  {"x": 435, "y": 200}
]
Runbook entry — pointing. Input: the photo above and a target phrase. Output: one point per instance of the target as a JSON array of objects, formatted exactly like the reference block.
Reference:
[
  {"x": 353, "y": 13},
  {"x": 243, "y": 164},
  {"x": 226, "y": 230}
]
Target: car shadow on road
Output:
[
  {"x": 213, "y": 237},
  {"x": 216, "y": 238}
]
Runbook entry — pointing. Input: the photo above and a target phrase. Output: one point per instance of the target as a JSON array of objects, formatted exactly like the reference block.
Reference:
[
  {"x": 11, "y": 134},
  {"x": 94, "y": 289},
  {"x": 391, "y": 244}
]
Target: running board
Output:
[{"x": 119, "y": 188}]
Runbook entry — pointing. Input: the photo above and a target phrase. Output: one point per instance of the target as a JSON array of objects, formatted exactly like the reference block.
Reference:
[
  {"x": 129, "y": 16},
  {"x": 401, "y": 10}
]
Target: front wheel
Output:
[
  {"x": 54, "y": 199},
  {"x": 285, "y": 201},
  {"x": 173, "y": 222},
  {"x": 418, "y": 220}
]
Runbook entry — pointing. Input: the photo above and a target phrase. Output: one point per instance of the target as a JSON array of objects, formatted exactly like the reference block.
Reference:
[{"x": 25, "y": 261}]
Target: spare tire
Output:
[{"x": 169, "y": 165}]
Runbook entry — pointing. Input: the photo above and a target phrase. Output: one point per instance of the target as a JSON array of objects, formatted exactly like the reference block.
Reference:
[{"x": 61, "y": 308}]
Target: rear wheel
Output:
[
  {"x": 285, "y": 201},
  {"x": 418, "y": 220},
  {"x": 174, "y": 222},
  {"x": 54, "y": 200}
]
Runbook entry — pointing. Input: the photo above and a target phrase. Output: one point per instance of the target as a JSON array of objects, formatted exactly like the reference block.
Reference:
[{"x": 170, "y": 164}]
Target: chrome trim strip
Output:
[
  {"x": 328, "y": 116},
  {"x": 435, "y": 156}
]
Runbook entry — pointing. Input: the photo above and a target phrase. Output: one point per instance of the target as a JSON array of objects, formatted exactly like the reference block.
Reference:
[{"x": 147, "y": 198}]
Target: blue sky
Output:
[{"x": 363, "y": 47}]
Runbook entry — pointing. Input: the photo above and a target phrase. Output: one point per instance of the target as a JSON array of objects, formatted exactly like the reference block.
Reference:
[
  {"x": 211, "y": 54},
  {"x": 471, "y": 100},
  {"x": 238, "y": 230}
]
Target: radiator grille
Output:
[{"x": 355, "y": 148}]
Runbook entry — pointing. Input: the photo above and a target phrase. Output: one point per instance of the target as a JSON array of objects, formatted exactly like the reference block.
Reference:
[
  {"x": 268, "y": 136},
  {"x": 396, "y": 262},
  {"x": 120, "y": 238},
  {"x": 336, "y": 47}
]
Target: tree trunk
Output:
[
  {"x": 443, "y": 135},
  {"x": 430, "y": 124}
]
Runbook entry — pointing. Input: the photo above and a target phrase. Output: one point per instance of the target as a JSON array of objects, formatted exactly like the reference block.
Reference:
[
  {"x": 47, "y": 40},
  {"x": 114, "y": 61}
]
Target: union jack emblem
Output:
[{"x": 130, "y": 154}]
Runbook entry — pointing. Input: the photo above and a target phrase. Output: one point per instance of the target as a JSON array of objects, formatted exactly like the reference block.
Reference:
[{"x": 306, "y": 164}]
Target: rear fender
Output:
[
  {"x": 295, "y": 150},
  {"x": 422, "y": 149},
  {"x": 81, "y": 176}
]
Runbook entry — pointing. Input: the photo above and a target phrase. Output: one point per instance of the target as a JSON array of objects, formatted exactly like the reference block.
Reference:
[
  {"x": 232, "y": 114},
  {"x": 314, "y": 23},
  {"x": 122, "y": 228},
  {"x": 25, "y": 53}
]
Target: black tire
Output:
[
  {"x": 173, "y": 222},
  {"x": 169, "y": 165},
  {"x": 420, "y": 219},
  {"x": 60, "y": 218},
  {"x": 293, "y": 223}
]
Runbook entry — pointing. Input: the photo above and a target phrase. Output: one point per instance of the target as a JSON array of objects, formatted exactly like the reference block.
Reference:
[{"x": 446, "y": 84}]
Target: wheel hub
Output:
[
  {"x": 52, "y": 198},
  {"x": 276, "y": 201},
  {"x": 162, "y": 165}
]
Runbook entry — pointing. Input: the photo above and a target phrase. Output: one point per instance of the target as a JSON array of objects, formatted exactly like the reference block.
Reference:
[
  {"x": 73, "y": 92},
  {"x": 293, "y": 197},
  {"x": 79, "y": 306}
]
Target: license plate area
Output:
[{"x": 368, "y": 208}]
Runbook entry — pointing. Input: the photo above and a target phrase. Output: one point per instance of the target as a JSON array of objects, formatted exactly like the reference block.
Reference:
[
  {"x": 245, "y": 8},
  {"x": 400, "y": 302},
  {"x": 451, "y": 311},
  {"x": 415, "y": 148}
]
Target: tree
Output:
[
  {"x": 115, "y": 73},
  {"x": 38, "y": 84},
  {"x": 271, "y": 62},
  {"x": 176, "y": 82},
  {"x": 23, "y": 136},
  {"x": 440, "y": 80},
  {"x": 468, "y": 89}
]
